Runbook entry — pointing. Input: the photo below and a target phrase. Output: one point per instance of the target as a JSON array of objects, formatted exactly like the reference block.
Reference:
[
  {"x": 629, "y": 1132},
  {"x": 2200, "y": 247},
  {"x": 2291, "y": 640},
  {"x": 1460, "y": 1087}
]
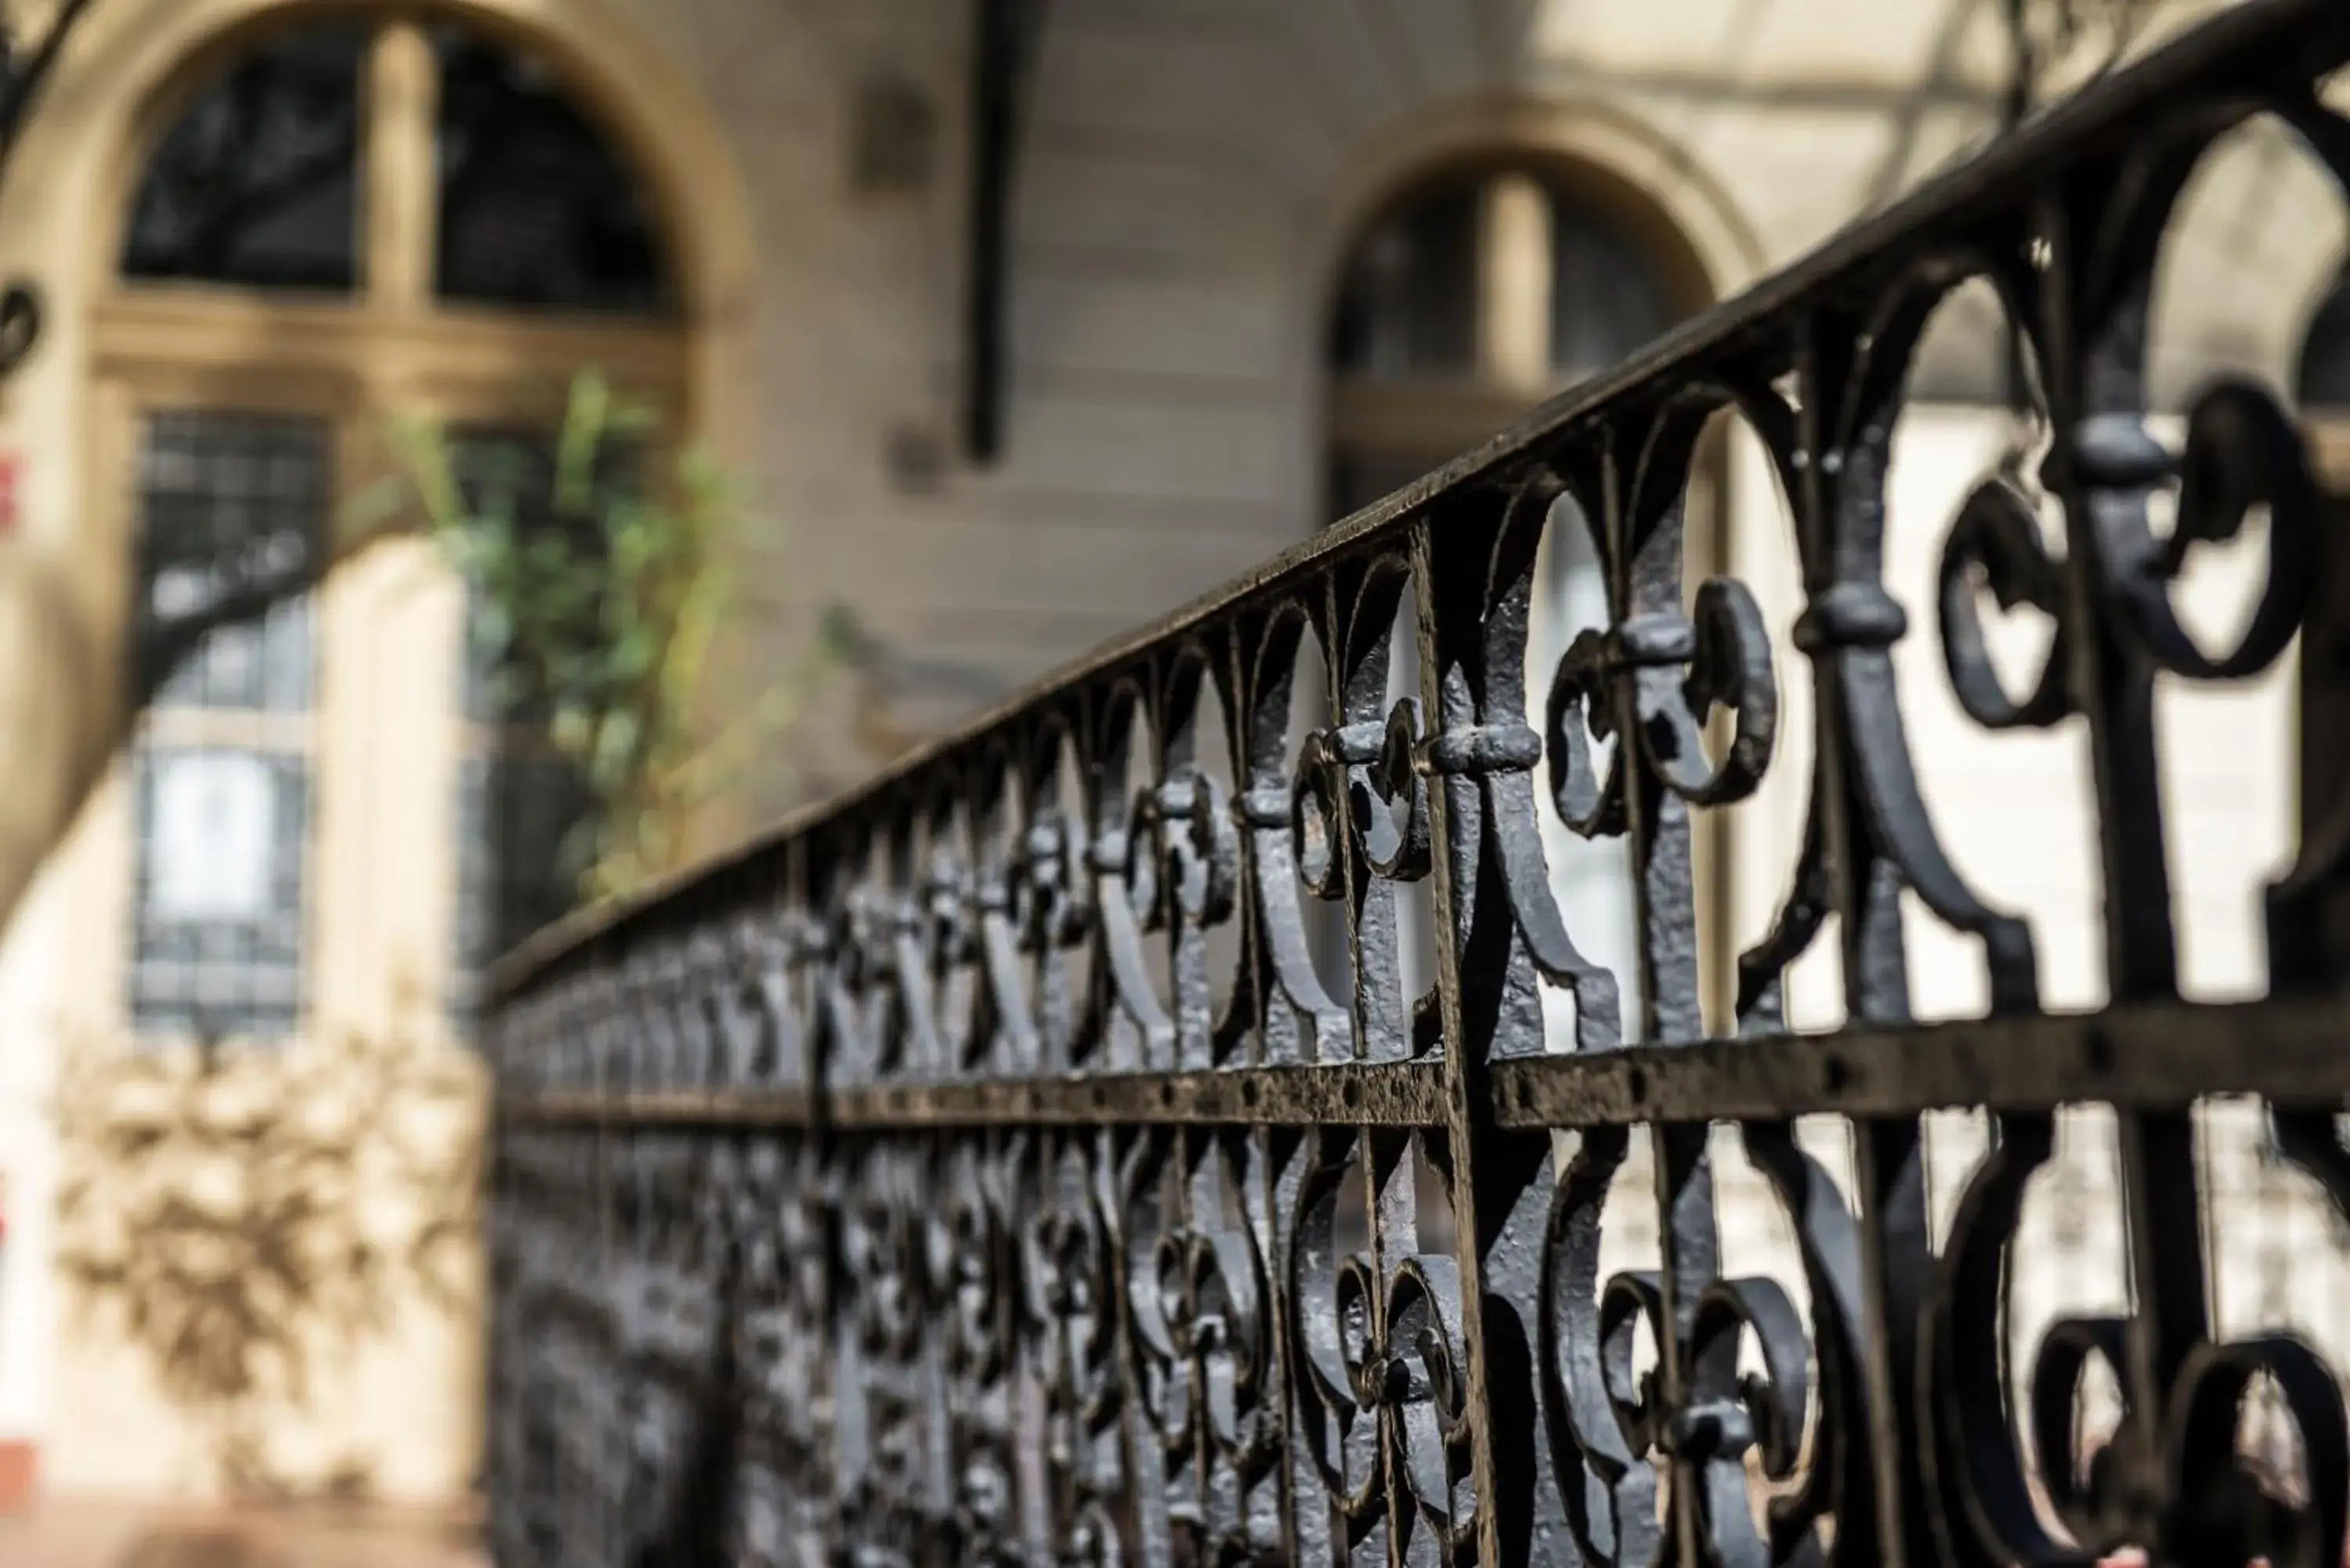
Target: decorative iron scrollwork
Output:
[
  {"x": 1725, "y": 654},
  {"x": 1052, "y": 1155}
]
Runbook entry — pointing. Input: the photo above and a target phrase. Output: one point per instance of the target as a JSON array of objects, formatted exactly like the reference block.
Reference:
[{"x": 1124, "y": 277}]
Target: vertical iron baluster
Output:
[
  {"x": 1451, "y": 556},
  {"x": 1845, "y": 453},
  {"x": 2099, "y": 303}
]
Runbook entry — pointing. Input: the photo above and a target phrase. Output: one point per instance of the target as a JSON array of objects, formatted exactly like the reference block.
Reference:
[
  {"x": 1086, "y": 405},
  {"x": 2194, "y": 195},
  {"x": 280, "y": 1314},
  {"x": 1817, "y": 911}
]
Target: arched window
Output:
[
  {"x": 338, "y": 224},
  {"x": 1468, "y": 300}
]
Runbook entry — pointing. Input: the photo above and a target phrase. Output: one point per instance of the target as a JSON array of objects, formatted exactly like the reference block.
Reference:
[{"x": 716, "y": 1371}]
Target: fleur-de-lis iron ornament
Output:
[
  {"x": 1055, "y": 1152},
  {"x": 1380, "y": 1348}
]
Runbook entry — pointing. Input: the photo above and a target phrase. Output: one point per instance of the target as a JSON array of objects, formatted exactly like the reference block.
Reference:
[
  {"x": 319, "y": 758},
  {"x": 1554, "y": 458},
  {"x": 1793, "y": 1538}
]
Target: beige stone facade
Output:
[{"x": 1192, "y": 181}]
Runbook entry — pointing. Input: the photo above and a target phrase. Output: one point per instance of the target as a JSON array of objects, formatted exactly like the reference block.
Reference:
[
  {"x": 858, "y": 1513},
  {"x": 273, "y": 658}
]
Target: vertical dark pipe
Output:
[{"x": 995, "y": 60}]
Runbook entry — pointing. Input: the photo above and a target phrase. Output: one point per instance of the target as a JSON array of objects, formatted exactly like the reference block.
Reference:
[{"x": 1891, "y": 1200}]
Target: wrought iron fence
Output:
[{"x": 996, "y": 1167}]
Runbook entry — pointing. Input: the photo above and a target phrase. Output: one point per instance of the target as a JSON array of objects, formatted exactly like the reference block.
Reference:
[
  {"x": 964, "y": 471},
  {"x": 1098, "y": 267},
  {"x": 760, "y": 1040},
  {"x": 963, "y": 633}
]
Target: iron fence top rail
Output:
[{"x": 1749, "y": 340}]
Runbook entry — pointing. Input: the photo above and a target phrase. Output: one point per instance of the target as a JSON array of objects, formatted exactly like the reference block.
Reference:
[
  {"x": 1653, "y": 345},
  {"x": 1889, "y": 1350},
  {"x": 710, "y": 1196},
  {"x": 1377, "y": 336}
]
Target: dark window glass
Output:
[
  {"x": 537, "y": 208},
  {"x": 1408, "y": 304},
  {"x": 257, "y": 182},
  {"x": 517, "y": 862},
  {"x": 1606, "y": 299},
  {"x": 229, "y": 504},
  {"x": 232, "y": 505},
  {"x": 217, "y": 949},
  {"x": 2326, "y": 353},
  {"x": 518, "y": 804}
]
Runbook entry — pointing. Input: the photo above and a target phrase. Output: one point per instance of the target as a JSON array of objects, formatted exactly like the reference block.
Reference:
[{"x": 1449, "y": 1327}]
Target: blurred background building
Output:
[{"x": 1260, "y": 261}]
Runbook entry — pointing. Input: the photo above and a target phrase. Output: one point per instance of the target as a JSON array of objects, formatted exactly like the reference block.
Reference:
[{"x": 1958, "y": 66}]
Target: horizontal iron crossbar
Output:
[
  {"x": 2171, "y": 1057},
  {"x": 2152, "y": 1058},
  {"x": 1402, "y": 1094}
]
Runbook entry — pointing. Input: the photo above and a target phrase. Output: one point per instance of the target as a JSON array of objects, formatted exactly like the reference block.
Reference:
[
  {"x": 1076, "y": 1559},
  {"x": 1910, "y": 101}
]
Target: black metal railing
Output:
[{"x": 1000, "y": 1164}]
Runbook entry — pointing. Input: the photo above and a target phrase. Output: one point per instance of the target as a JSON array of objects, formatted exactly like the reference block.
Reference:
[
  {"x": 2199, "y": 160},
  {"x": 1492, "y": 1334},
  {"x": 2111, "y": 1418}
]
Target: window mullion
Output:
[
  {"x": 402, "y": 91},
  {"x": 1513, "y": 295}
]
